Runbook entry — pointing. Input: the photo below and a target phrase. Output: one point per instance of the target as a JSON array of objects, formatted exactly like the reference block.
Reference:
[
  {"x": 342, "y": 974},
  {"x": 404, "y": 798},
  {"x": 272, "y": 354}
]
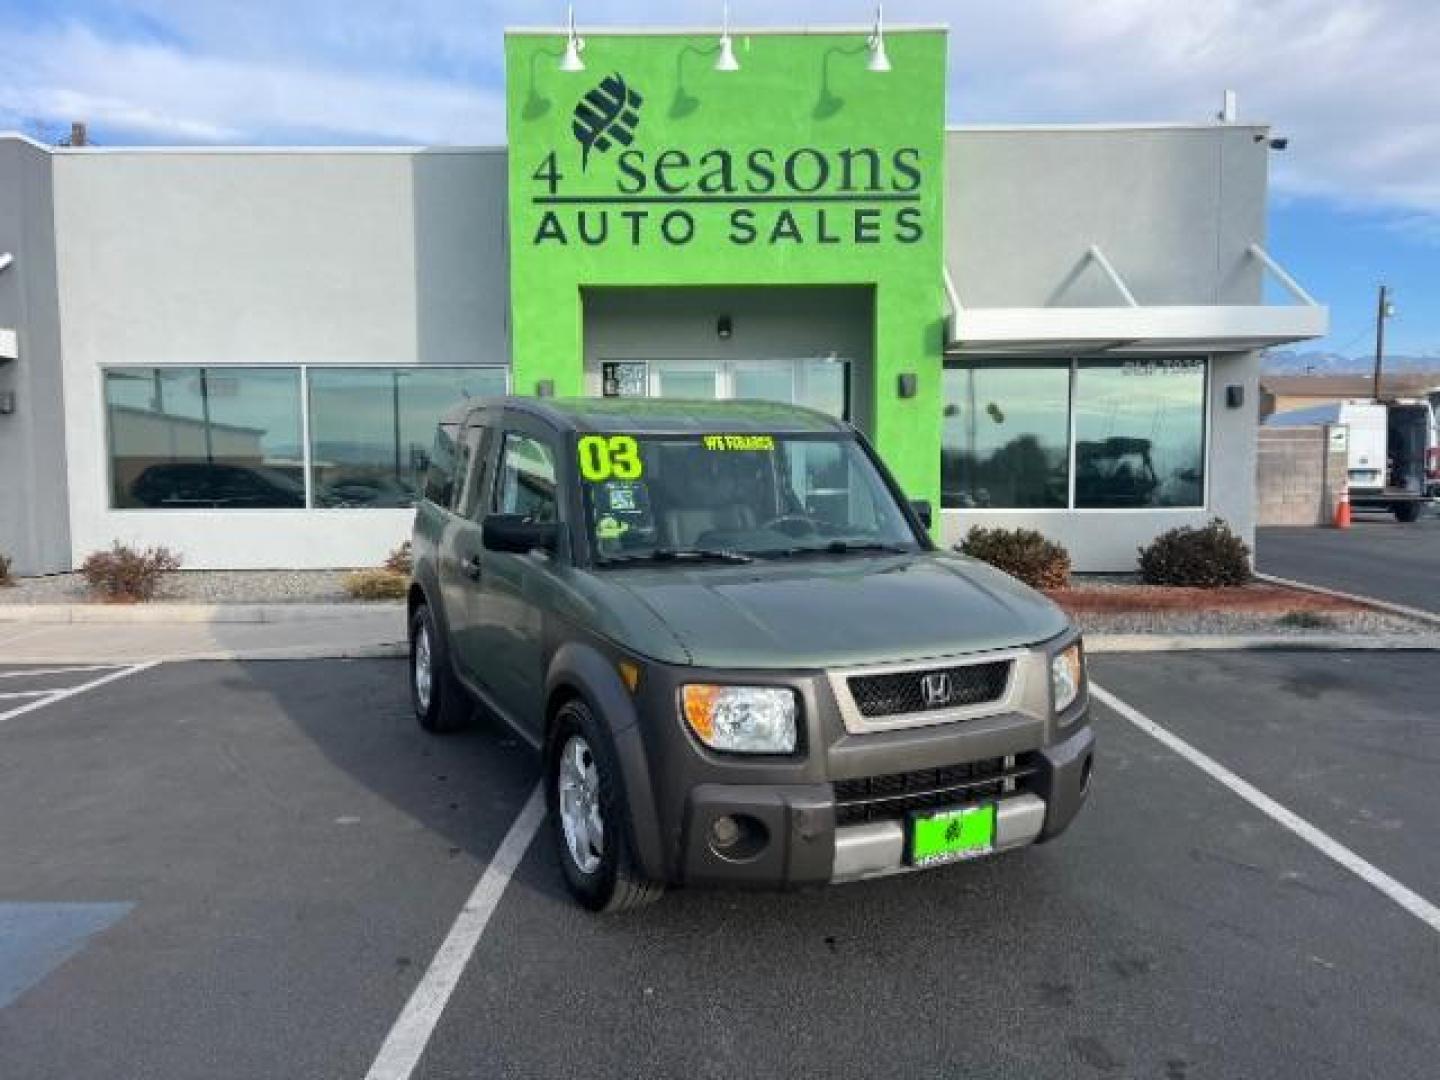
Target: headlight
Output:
[
  {"x": 1066, "y": 673},
  {"x": 745, "y": 719}
]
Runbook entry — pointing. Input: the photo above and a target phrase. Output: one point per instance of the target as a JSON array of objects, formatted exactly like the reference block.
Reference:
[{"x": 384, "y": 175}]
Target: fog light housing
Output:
[
  {"x": 742, "y": 719},
  {"x": 1067, "y": 674}
]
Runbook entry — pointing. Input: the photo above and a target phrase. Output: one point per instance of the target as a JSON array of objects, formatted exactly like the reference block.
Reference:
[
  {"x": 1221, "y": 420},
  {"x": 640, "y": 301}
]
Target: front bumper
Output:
[{"x": 794, "y": 838}]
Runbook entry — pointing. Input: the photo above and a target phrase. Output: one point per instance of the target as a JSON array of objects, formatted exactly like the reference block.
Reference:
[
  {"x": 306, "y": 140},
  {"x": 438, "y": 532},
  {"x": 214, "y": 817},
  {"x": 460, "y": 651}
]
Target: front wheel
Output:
[
  {"x": 587, "y": 816},
  {"x": 1407, "y": 512}
]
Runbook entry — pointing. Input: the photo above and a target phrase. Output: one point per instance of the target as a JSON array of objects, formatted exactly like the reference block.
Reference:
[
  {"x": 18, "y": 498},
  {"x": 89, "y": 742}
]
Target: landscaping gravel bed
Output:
[
  {"x": 1245, "y": 622},
  {"x": 197, "y": 587}
]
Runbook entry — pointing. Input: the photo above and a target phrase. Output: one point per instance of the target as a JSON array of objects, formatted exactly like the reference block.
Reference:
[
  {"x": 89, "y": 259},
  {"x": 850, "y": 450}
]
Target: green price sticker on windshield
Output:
[{"x": 605, "y": 457}]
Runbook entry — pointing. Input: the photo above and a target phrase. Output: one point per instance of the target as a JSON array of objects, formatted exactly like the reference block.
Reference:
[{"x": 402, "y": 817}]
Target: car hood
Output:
[{"x": 825, "y": 612}]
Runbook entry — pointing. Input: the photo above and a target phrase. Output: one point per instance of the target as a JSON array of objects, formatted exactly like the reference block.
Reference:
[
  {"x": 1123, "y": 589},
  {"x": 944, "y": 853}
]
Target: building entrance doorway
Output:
[{"x": 821, "y": 384}]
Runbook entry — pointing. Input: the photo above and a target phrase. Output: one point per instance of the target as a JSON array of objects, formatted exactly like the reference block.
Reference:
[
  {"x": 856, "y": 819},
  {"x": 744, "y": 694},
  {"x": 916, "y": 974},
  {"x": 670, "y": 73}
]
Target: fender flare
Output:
[{"x": 582, "y": 669}]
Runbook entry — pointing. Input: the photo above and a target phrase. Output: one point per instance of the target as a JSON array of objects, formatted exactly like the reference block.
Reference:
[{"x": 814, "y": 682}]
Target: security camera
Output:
[{"x": 1277, "y": 143}]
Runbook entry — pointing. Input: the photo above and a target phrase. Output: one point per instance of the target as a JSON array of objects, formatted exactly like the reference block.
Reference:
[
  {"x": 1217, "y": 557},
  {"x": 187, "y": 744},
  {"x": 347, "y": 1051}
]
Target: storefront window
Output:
[
  {"x": 372, "y": 429},
  {"x": 1140, "y": 433},
  {"x": 1006, "y": 437},
  {"x": 193, "y": 437}
]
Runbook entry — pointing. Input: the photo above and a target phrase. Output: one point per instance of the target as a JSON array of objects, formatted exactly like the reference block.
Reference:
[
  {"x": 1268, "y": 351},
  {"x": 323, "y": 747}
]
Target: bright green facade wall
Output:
[{"x": 870, "y": 220}]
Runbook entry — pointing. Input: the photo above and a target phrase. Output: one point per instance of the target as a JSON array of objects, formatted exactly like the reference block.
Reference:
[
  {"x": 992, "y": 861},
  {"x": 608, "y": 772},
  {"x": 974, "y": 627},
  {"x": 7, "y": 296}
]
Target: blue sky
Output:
[{"x": 1354, "y": 84}]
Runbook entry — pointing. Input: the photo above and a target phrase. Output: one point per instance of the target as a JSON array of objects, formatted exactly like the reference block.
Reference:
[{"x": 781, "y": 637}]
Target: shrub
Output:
[
  {"x": 125, "y": 575},
  {"x": 1208, "y": 558},
  {"x": 401, "y": 560},
  {"x": 381, "y": 584},
  {"x": 5, "y": 564},
  {"x": 1021, "y": 553}
]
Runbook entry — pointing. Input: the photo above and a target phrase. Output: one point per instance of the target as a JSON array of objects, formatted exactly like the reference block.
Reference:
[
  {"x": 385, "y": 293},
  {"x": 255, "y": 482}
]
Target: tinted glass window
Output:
[
  {"x": 526, "y": 480},
  {"x": 1140, "y": 433},
  {"x": 224, "y": 438},
  {"x": 1006, "y": 437},
  {"x": 372, "y": 429},
  {"x": 446, "y": 466},
  {"x": 474, "y": 457}
]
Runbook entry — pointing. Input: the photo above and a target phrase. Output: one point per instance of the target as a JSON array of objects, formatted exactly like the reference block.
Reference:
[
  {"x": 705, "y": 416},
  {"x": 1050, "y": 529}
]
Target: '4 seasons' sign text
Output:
[{"x": 756, "y": 195}]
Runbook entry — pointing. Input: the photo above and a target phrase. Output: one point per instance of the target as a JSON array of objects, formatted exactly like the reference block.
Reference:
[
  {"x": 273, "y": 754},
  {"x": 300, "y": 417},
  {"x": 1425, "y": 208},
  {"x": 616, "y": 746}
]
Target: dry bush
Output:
[
  {"x": 380, "y": 584},
  {"x": 401, "y": 560},
  {"x": 5, "y": 564},
  {"x": 125, "y": 575},
  {"x": 1021, "y": 553},
  {"x": 1210, "y": 557}
]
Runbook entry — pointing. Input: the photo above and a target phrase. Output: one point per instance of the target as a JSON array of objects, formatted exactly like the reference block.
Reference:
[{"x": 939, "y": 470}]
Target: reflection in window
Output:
[
  {"x": 372, "y": 429},
  {"x": 1140, "y": 433},
  {"x": 527, "y": 479},
  {"x": 225, "y": 438},
  {"x": 1006, "y": 440}
]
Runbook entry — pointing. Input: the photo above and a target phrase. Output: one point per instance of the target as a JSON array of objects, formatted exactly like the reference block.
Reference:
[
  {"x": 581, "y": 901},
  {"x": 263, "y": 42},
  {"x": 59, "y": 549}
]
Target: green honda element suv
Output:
[{"x": 739, "y": 653}]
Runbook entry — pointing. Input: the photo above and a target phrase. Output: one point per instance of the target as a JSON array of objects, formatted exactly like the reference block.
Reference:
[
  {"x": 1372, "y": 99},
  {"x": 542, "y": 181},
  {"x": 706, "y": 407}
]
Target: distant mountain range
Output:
[{"x": 1288, "y": 362}]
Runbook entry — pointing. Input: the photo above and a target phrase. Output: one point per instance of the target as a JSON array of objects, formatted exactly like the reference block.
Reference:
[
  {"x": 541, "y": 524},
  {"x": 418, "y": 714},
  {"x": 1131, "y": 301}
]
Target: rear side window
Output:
[
  {"x": 526, "y": 480},
  {"x": 441, "y": 476}
]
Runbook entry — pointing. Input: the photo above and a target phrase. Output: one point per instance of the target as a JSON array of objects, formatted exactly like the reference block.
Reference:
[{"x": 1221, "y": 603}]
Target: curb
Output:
[
  {"x": 1429, "y": 617},
  {"x": 1146, "y": 643},
  {"x": 217, "y": 614}
]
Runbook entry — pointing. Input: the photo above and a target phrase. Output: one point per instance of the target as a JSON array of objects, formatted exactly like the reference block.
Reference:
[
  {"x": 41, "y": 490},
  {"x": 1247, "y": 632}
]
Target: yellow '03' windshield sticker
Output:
[
  {"x": 739, "y": 442},
  {"x": 606, "y": 456}
]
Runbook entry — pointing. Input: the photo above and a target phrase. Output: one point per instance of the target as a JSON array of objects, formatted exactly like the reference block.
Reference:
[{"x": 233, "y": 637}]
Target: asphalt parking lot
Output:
[
  {"x": 244, "y": 869},
  {"x": 1377, "y": 557}
]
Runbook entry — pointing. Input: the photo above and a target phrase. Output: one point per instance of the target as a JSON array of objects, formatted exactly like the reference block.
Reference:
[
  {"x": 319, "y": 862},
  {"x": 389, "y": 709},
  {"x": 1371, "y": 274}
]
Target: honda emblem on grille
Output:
[{"x": 936, "y": 687}]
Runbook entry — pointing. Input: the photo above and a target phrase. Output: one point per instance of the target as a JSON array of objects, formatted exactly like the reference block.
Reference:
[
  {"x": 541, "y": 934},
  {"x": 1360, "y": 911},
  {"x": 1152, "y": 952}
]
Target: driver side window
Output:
[{"x": 525, "y": 481}]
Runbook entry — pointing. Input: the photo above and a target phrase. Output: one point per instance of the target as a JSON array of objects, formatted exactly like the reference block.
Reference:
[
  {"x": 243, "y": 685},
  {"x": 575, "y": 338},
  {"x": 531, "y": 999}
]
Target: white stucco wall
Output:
[{"x": 214, "y": 257}]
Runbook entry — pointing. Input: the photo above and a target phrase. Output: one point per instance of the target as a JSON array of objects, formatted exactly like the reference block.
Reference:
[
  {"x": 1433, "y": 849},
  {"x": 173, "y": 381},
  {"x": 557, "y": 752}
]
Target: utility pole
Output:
[{"x": 1382, "y": 311}]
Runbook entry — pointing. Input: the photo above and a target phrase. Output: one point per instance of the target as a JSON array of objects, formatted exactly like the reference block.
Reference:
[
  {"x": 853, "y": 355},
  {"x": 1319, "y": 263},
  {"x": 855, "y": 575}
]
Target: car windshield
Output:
[{"x": 735, "y": 497}]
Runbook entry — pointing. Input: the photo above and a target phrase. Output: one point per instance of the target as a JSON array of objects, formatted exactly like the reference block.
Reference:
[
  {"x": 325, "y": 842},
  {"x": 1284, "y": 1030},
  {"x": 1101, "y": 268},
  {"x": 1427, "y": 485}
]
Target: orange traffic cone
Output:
[{"x": 1342, "y": 512}]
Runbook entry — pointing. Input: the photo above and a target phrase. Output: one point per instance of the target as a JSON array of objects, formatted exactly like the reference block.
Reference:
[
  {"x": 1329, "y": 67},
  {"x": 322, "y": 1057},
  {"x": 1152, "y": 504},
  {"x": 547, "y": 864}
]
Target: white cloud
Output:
[
  {"x": 1353, "y": 83},
  {"x": 160, "y": 92}
]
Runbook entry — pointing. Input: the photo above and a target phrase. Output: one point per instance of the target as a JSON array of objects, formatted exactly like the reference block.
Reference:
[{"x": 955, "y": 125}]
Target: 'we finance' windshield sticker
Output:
[{"x": 739, "y": 442}]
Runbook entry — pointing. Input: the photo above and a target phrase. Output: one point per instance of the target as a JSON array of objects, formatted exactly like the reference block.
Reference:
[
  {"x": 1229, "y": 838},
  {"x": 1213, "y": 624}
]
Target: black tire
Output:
[
  {"x": 446, "y": 707},
  {"x": 1408, "y": 512},
  {"x": 612, "y": 883}
]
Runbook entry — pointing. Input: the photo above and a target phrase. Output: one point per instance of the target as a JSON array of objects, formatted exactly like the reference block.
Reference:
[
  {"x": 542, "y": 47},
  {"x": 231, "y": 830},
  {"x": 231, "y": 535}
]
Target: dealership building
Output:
[{"x": 241, "y": 353}]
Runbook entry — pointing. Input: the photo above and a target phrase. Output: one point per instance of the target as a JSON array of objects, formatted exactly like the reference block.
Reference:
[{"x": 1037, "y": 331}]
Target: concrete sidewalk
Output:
[{"x": 87, "y": 634}]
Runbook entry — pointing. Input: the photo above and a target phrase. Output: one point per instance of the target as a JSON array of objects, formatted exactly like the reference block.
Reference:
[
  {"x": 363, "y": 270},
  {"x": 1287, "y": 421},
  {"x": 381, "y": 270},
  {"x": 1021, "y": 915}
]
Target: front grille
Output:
[
  {"x": 879, "y": 798},
  {"x": 899, "y": 692}
]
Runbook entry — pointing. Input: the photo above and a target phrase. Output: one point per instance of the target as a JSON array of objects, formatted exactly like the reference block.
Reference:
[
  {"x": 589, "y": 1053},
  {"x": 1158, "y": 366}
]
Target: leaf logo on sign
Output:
[{"x": 605, "y": 116}]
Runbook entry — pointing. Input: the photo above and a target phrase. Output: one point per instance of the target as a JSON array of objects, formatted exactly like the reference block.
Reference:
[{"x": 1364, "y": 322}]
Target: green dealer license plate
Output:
[{"x": 950, "y": 835}]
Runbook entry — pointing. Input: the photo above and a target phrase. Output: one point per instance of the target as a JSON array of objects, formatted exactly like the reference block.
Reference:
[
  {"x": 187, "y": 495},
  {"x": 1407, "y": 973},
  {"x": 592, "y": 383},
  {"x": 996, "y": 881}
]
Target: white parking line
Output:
[
  {"x": 408, "y": 1038},
  {"x": 28, "y": 673},
  {"x": 72, "y": 691},
  {"x": 26, "y": 693},
  {"x": 1407, "y": 898}
]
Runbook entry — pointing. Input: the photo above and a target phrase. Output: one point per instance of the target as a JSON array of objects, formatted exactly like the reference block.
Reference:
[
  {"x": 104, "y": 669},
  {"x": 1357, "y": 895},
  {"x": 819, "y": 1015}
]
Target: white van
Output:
[{"x": 1392, "y": 450}]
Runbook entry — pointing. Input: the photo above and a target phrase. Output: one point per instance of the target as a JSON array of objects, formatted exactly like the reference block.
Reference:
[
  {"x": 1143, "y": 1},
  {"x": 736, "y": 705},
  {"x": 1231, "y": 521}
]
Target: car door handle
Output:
[{"x": 473, "y": 567}]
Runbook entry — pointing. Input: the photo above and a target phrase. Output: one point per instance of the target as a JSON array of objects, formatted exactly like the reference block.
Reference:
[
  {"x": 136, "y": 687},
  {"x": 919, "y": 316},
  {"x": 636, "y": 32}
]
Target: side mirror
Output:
[
  {"x": 518, "y": 534},
  {"x": 923, "y": 511}
]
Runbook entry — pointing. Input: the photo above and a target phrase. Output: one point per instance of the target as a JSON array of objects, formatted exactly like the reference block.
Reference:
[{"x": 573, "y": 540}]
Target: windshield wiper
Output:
[
  {"x": 681, "y": 555},
  {"x": 836, "y": 547}
]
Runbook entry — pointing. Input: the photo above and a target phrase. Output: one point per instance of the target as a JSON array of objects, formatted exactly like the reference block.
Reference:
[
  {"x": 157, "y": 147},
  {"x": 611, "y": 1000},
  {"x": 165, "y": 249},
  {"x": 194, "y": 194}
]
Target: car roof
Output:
[{"x": 662, "y": 416}]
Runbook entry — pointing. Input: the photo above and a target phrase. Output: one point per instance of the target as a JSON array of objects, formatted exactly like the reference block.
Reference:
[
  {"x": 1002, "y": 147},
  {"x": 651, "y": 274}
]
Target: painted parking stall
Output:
[{"x": 1176, "y": 930}]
